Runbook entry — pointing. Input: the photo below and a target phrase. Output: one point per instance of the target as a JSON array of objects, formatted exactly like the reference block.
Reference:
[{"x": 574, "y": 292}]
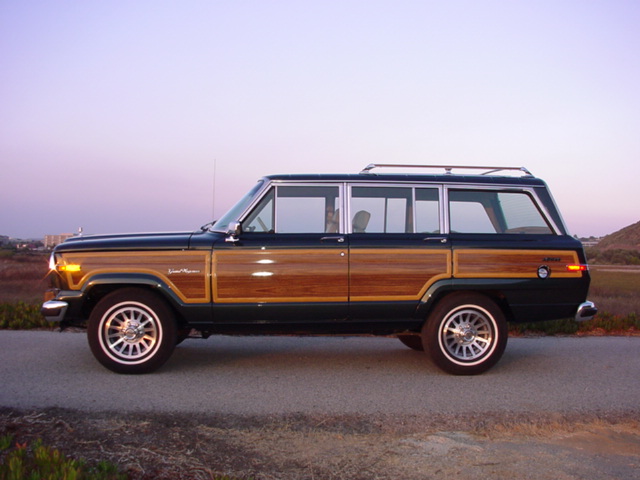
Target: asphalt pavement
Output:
[{"x": 324, "y": 375}]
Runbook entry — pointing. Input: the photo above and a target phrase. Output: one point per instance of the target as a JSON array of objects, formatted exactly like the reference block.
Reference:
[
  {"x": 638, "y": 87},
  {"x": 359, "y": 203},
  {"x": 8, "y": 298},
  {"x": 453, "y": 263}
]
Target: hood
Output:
[{"x": 129, "y": 241}]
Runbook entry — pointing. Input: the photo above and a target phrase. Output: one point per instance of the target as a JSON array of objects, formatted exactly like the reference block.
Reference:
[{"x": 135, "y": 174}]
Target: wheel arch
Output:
[
  {"x": 102, "y": 285},
  {"x": 443, "y": 289}
]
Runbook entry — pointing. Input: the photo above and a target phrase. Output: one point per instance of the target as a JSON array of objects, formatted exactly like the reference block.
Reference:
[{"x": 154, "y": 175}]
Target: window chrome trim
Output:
[
  {"x": 530, "y": 191},
  {"x": 412, "y": 185},
  {"x": 284, "y": 183},
  {"x": 345, "y": 189},
  {"x": 266, "y": 184}
]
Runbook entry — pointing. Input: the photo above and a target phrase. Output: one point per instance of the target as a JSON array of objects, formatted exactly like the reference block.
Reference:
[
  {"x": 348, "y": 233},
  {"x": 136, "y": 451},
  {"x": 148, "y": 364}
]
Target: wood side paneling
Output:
[
  {"x": 280, "y": 275},
  {"x": 477, "y": 263},
  {"x": 396, "y": 274},
  {"x": 187, "y": 273}
]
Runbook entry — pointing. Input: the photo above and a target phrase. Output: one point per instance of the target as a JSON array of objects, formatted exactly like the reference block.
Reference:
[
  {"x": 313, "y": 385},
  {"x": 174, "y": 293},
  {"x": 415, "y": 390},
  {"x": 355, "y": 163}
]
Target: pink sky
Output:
[{"x": 113, "y": 113}]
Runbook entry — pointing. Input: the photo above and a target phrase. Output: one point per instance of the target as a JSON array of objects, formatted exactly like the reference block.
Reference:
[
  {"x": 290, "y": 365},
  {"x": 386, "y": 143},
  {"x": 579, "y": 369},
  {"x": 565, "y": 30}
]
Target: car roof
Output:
[{"x": 410, "y": 178}]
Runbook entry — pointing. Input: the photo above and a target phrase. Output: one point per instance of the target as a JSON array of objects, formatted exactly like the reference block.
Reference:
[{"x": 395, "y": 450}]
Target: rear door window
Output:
[{"x": 395, "y": 210}]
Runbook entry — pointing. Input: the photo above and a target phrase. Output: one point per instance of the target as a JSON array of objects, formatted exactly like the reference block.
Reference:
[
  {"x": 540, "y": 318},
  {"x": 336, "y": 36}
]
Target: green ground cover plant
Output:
[
  {"x": 22, "y": 316},
  {"x": 40, "y": 462},
  {"x": 36, "y": 461}
]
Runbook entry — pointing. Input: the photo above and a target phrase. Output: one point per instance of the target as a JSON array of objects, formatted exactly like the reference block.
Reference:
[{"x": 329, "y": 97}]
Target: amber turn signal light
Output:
[{"x": 71, "y": 268}]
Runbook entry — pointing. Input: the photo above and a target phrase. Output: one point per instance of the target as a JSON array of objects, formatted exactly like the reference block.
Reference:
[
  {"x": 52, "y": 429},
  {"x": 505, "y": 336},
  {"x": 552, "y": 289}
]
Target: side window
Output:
[
  {"x": 487, "y": 211},
  {"x": 427, "y": 210},
  {"x": 296, "y": 209},
  {"x": 381, "y": 210},
  {"x": 261, "y": 219}
]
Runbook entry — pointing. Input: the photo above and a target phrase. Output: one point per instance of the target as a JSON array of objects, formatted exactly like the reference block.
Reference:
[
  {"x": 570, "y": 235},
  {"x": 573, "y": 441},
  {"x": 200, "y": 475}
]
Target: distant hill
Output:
[
  {"x": 619, "y": 248},
  {"x": 626, "y": 239}
]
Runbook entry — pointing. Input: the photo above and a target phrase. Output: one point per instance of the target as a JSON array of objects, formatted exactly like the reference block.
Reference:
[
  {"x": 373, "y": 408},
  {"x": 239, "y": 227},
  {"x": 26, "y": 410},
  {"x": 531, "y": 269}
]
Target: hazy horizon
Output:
[{"x": 113, "y": 113}]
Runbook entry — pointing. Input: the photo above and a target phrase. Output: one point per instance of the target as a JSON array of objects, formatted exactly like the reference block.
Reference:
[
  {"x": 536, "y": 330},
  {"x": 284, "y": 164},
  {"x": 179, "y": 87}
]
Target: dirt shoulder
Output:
[{"x": 177, "y": 446}]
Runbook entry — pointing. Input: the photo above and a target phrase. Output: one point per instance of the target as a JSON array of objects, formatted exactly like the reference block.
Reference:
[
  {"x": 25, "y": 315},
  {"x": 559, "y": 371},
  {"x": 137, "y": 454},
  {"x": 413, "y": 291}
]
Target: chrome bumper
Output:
[
  {"x": 54, "y": 310},
  {"x": 586, "y": 311}
]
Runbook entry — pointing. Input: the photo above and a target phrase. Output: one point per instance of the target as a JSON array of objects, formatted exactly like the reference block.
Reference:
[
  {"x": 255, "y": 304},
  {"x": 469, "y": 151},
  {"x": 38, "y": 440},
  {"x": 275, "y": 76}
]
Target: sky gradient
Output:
[{"x": 113, "y": 114}]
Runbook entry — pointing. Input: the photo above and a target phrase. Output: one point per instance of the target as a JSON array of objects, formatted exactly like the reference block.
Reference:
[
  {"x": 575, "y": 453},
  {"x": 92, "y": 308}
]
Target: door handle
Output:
[
  {"x": 332, "y": 239},
  {"x": 435, "y": 239}
]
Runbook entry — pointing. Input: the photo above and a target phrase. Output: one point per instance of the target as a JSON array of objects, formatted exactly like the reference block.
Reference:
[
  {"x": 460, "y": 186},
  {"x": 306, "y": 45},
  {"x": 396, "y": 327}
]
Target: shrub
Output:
[
  {"x": 617, "y": 256},
  {"x": 602, "y": 323},
  {"x": 21, "y": 316},
  {"x": 606, "y": 322},
  {"x": 565, "y": 326},
  {"x": 45, "y": 463}
]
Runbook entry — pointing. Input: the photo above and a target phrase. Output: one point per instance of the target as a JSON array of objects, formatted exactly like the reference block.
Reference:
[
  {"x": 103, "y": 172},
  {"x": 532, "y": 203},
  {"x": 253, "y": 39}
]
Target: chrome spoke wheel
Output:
[
  {"x": 467, "y": 334},
  {"x": 130, "y": 332}
]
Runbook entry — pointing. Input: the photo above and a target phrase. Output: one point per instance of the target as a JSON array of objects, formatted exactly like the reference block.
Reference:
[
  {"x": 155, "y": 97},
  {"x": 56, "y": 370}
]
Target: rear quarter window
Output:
[{"x": 488, "y": 211}]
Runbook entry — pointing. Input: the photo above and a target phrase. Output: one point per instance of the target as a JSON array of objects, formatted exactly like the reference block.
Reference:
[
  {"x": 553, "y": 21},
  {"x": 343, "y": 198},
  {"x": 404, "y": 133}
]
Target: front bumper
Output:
[
  {"x": 586, "y": 311},
  {"x": 54, "y": 310}
]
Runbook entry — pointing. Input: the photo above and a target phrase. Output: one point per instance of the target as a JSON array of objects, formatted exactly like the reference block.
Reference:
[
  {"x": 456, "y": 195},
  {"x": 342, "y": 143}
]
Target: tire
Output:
[
  {"x": 465, "y": 334},
  {"x": 132, "y": 331},
  {"x": 414, "y": 342}
]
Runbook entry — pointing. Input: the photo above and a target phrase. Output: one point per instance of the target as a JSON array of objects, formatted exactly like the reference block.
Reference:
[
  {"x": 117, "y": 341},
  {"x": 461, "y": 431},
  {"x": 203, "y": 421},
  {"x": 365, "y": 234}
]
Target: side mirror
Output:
[{"x": 233, "y": 232}]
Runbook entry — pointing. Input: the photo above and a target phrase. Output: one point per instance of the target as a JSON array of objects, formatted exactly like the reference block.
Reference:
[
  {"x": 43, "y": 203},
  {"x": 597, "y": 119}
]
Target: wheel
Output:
[
  {"x": 414, "y": 342},
  {"x": 132, "y": 331},
  {"x": 465, "y": 334}
]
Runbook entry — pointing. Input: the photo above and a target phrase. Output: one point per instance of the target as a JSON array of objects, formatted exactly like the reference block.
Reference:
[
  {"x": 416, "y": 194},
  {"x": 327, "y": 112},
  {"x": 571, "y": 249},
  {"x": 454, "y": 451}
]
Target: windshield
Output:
[{"x": 222, "y": 225}]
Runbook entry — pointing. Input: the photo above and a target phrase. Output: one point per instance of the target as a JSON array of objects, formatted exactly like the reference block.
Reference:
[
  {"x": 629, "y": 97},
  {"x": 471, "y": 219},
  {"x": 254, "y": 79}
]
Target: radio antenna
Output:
[{"x": 213, "y": 196}]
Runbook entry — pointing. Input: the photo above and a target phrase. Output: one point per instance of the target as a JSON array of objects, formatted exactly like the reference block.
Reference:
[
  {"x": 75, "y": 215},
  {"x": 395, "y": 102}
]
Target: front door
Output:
[{"x": 290, "y": 263}]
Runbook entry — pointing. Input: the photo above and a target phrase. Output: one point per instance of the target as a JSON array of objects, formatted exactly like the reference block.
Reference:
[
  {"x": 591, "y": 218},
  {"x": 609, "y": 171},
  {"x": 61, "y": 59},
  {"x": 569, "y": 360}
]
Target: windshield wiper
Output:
[{"x": 207, "y": 226}]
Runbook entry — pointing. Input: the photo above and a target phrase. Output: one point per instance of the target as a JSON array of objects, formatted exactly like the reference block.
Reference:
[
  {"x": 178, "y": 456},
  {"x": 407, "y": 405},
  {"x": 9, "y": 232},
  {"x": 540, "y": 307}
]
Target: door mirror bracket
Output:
[{"x": 233, "y": 232}]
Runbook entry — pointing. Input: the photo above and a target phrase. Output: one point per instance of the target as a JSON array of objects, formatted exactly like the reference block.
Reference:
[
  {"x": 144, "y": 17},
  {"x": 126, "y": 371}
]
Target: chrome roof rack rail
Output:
[{"x": 448, "y": 168}]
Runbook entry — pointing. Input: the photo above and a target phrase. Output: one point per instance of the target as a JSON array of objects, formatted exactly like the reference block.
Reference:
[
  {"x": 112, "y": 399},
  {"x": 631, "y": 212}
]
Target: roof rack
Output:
[{"x": 448, "y": 168}]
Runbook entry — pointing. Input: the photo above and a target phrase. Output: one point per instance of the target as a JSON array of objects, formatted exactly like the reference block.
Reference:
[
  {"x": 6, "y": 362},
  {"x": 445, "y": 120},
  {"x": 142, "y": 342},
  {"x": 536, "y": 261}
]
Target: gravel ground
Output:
[
  {"x": 331, "y": 408},
  {"x": 180, "y": 446}
]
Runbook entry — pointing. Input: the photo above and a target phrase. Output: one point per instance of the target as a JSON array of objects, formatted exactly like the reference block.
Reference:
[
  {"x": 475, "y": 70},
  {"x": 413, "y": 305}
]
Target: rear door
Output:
[{"x": 397, "y": 248}]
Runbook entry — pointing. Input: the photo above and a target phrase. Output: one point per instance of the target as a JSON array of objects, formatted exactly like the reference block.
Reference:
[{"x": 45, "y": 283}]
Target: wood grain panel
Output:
[
  {"x": 280, "y": 275},
  {"x": 477, "y": 263},
  {"x": 187, "y": 273},
  {"x": 396, "y": 274}
]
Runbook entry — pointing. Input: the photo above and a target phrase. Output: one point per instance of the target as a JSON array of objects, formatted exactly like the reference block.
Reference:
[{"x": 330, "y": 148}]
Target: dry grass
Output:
[
  {"x": 616, "y": 290},
  {"x": 178, "y": 446},
  {"x": 22, "y": 278}
]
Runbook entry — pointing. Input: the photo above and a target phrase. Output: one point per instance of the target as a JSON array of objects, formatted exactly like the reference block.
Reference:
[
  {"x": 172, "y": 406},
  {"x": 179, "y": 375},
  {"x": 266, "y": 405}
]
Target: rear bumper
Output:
[
  {"x": 54, "y": 310},
  {"x": 586, "y": 311}
]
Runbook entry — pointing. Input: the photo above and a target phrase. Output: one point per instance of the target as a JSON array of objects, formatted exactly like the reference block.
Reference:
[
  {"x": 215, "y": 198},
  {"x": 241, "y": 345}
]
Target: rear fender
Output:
[{"x": 491, "y": 288}]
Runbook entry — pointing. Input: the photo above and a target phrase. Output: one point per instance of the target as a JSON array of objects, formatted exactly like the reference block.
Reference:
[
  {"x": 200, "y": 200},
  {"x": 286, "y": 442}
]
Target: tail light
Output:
[{"x": 577, "y": 268}]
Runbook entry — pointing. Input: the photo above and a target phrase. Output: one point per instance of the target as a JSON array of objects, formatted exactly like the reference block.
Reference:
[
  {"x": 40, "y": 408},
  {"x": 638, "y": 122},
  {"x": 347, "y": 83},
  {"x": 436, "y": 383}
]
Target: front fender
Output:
[
  {"x": 98, "y": 283},
  {"x": 186, "y": 313}
]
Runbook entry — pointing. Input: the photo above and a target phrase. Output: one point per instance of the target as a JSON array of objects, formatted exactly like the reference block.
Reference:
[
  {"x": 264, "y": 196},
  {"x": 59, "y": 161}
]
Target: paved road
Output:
[{"x": 281, "y": 375}]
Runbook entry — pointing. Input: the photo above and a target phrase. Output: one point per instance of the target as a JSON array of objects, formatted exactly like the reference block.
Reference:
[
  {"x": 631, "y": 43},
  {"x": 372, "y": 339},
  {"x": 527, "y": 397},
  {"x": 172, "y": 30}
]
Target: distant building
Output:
[{"x": 51, "y": 241}]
